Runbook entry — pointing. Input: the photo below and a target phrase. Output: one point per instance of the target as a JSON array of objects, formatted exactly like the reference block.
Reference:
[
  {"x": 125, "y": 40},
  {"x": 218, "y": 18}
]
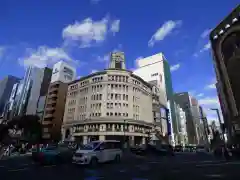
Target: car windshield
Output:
[{"x": 90, "y": 146}]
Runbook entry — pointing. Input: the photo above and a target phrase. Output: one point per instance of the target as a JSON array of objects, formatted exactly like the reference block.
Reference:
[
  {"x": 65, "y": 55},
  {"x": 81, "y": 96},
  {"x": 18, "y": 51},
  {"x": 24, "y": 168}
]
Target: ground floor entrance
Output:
[{"x": 130, "y": 140}]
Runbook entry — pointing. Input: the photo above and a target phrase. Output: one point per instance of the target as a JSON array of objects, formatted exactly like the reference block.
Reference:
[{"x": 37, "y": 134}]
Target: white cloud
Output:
[
  {"x": 165, "y": 30},
  {"x": 2, "y": 50},
  {"x": 206, "y": 47},
  {"x": 78, "y": 77},
  {"x": 94, "y": 71},
  {"x": 89, "y": 32},
  {"x": 205, "y": 33},
  {"x": 44, "y": 56},
  {"x": 192, "y": 93},
  {"x": 212, "y": 85},
  {"x": 115, "y": 26},
  {"x": 209, "y": 101},
  {"x": 137, "y": 61},
  {"x": 104, "y": 58},
  {"x": 175, "y": 67},
  {"x": 200, "y": 95}
]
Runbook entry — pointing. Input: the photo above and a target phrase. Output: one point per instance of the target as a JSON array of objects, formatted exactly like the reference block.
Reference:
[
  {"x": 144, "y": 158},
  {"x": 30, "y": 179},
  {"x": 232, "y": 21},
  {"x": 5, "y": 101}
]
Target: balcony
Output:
[
  {"x": 138, "y": 131},
  {"x": 45, "y": 122},
  {"x": 50, "y": 108},
  {"x": 48, "y": 115},
  {"x": 79, "y": 130},
  {"x": 109, "y": 129},
  {"x": 52, "y": 95},
  {"x": 118, "y": 129},
  {"x": 93, "y": 130}
]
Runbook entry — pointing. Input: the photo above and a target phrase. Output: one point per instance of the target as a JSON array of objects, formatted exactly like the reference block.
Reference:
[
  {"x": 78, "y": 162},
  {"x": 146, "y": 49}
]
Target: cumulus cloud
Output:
[
  {"x": 205, "y": 33},
  {"x": 200, "y": 95},
  {"x": 44, "y": 56},
  {"x": 205, "y": 48},
  {"x": 104, "y": 58},
  {"x": 208, "y": 101},
  {"x": 94, "y": 71},
  {"x": 115, "y": 26},
  {"x": 137, "y": 61},
  {"x": 78, "y": 77},
  {"x": 165, "y": 30},
  {"x": 2, "y": 50},
  {"x": 212, "y": 85},
  {"x": 175, "y": 67},
  {"x": 89, "y": 32}
]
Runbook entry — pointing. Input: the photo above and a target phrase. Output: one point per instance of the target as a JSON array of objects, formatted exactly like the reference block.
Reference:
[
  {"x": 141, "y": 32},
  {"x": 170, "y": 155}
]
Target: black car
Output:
[{"x": 178, "y": 148}]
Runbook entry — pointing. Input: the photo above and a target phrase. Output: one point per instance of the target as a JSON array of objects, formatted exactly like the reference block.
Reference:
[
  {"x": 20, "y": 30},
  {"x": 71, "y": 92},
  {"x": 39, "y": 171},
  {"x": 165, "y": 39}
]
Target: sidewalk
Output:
[{"x": 16, "y": 155}]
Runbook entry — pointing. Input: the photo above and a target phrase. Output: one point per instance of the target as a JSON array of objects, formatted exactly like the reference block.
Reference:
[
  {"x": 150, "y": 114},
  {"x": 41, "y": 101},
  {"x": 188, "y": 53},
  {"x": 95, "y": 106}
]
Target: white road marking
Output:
[
  {"x": 122, "y": 171},
  {"x": 214, "y": 175},
  {"x": 218, "y": 164},
  {"x": 15, "y": 170},
  {"x": 48, "y": 166}
]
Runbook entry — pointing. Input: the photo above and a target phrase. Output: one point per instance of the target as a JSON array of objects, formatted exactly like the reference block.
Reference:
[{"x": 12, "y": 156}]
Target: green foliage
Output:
[{"x": 30, "y": 125}]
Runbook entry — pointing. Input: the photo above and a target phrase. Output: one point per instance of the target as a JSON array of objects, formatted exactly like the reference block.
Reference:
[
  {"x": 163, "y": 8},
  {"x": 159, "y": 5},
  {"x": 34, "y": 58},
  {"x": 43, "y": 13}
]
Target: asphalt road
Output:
[{"x": 183, "y": 166}]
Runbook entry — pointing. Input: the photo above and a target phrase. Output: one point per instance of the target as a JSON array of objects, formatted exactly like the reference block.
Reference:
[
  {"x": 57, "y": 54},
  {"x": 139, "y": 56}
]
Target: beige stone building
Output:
[{"x": 111, "y": 104}]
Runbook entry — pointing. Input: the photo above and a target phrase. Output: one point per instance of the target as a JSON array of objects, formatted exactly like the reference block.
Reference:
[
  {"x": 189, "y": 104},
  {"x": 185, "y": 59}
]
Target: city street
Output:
[{"x": 186, "y": 166}]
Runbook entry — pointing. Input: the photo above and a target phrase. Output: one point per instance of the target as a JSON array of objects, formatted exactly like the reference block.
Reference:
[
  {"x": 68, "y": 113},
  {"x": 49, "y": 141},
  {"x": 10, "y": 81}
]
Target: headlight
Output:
[{"x": 85, "y": 157}]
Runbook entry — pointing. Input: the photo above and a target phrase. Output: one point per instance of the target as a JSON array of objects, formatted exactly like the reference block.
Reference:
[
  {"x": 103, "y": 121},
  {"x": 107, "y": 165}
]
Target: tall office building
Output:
[
  {"x": 62, "y": 74},
  {"x": 173, "y": 128},
  {"x": 185, "y": 102},
  {"x": 26, "y": 95},
  {"x": 11, "y": 104},
  {"x": 6, "y": 86},
  {"x": 204, "y": 125},
  {"x": 40, "y": 80},
  {"x": 181, "y": 137},
  {"x": 197, "y": 119},
  {"x": 155, "y": 69},
  {"x": 225, "y": 41}
]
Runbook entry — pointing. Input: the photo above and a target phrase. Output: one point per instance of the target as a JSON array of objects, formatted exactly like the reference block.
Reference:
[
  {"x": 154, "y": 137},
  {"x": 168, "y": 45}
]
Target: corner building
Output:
[
  {"x": 225, "y": 43},
  {"x": 111, "y": 104}
]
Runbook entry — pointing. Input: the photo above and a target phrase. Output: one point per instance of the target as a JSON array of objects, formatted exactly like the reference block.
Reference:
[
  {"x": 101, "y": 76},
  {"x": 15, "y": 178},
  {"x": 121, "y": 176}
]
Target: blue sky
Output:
[{"x": 83, "y": 32}]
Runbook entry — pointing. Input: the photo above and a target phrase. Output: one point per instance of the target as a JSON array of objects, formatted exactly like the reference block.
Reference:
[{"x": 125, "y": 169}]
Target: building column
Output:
[
  {"x": 85, "y": 139},
  {"x": 143, "y": 140},
  {"x": 132, "y": 140},
  {"x": 101, "y": 138},
  {"x": 63, "y": 134}
]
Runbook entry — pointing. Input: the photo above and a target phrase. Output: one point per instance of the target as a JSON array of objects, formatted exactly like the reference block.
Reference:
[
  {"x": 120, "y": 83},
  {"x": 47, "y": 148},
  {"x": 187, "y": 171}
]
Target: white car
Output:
[{"x": 98, "y": 152}]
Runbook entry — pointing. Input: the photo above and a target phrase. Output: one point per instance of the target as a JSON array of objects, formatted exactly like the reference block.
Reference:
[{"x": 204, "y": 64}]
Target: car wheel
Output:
[
  {"x": 94, "y": 162},
  {"x": 117, "y": 158}
]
